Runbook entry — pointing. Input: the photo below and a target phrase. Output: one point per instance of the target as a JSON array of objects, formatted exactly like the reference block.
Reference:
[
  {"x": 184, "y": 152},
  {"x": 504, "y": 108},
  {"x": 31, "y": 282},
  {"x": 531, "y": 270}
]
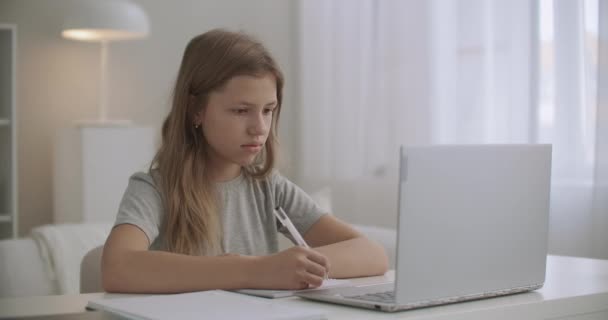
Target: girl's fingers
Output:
[
  {"x": 318, "y": 258},
  {"x": 313, "y": 280},
  {"x": 316, "y": 269}
]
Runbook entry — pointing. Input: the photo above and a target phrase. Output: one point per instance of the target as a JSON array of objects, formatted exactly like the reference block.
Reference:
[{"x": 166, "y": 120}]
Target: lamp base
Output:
[{"x": 104, "y": 123}]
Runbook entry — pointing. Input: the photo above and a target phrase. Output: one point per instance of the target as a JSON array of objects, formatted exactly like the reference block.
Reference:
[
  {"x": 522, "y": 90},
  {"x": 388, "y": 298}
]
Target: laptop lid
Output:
[{"x": 472, "y": 219}]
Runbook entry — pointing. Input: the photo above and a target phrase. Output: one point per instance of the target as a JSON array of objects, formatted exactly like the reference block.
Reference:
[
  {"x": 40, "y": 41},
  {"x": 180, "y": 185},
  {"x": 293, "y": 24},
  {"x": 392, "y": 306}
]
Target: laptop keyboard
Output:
[{"x": 386, "y": 297}]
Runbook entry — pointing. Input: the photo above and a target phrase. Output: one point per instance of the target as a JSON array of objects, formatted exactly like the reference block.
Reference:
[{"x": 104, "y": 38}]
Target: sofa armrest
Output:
[{"x": 22, "y": 272}]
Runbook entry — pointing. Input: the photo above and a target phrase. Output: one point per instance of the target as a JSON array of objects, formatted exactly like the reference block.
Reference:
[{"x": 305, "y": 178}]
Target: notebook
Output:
[
  {"x": 87, "y": 315},
  {"x": 472, "y": 223},
  {"x": 213, "y": 304},
  {"x": 330, "y": 283}
]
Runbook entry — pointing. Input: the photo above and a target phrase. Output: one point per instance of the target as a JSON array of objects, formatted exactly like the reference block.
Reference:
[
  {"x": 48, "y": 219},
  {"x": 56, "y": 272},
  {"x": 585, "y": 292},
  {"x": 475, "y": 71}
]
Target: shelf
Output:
[{"x": 8, "y": 134}]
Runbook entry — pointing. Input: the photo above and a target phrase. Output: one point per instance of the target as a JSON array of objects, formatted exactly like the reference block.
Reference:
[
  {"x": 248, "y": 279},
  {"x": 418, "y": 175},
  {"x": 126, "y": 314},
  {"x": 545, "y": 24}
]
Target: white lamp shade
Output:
[{"x": 105, "y": 20}]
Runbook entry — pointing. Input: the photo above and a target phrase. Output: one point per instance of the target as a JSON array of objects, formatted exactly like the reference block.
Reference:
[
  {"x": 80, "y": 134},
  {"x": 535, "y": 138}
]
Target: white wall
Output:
[{"x": 57, "y": 78}]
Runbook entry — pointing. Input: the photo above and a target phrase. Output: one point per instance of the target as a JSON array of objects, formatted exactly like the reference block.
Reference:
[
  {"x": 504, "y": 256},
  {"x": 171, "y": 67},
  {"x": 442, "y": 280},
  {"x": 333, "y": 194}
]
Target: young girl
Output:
[{"x": 202, "y": 218}]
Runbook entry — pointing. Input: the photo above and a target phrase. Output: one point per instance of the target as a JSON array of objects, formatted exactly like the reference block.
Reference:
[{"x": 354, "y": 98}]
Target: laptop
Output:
[{"x": 472, "y": 224}]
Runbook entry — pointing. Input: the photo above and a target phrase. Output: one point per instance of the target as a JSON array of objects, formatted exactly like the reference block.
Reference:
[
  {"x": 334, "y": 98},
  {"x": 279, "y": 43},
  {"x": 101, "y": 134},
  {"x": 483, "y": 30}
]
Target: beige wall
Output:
[{"x": 58, "y": 78}]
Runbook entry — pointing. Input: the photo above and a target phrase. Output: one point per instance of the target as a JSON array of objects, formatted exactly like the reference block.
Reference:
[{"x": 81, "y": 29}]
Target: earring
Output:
[{"x": 196, "y": 125}]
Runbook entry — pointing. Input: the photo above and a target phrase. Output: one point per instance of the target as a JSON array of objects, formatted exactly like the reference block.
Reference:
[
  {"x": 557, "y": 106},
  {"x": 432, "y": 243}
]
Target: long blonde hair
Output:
[{"x": 192, "y": 224}]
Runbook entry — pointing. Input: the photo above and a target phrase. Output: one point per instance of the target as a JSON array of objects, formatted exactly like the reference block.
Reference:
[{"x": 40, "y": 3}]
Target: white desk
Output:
[{"x": 575, "y": 288}]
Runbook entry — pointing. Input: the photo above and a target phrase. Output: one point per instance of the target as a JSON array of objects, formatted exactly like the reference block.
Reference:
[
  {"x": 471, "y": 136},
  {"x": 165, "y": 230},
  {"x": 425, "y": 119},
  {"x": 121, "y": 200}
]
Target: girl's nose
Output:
[{"x": 258, "y": 125}]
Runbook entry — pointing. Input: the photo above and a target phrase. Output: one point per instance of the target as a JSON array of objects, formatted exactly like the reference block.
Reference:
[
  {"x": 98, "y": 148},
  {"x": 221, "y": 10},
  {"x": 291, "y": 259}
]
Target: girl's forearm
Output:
[
  {"x": 133, "y": 271},
  {"x": 164, "y": 272},
  {"x": 356, "y": 257}
]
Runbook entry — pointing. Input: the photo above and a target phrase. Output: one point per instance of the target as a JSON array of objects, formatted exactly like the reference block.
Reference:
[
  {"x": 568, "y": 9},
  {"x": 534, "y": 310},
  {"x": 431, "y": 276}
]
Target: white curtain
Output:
[
  {"x": 600, "y": 197},
  {"x": 568, "y": 110},
  {"x": 364, "y": 80},
  {"x": 375, "y": 74},
  {"x": 362, "y": 85}
]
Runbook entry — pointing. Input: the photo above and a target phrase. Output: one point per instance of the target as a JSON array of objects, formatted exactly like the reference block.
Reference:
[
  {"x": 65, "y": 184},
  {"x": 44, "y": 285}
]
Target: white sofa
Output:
[
  {"x": 48, "y": 262},
  {"x": 22, "y": 271}
]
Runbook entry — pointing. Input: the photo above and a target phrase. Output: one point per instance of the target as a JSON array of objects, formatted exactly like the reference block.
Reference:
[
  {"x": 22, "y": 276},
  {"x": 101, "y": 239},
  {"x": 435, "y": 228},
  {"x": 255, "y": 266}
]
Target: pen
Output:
[{"x": 286, "y": 222}]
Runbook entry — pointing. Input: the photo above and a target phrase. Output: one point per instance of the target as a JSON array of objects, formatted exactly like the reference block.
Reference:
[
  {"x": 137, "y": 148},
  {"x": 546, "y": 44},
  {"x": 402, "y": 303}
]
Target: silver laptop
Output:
[{"x": 472, "y": 224}]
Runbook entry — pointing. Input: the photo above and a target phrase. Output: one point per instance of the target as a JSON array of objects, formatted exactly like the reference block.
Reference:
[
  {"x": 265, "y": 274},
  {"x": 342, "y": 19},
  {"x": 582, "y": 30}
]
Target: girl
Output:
[{"x": 202, "y": 217}]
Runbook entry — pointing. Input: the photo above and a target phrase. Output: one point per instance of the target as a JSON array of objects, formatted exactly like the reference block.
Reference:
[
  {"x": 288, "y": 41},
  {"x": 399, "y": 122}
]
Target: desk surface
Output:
[{"x": 575, "y": 288}]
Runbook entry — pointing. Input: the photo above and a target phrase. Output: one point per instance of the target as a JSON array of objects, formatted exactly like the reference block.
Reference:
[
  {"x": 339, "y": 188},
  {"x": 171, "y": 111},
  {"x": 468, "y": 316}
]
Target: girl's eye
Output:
[
  {"x": 268, "y": 110},
  {"x": 240, "y": 111}
]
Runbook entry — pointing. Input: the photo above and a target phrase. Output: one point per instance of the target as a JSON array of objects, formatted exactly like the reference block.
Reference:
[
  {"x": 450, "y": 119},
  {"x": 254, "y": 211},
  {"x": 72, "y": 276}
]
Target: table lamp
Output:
[{"x": 104, "y": 21}]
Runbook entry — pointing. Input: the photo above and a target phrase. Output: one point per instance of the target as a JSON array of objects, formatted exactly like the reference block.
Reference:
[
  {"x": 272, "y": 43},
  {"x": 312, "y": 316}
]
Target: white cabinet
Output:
[
  {"x": 92, "y": 166},
  {"x": 8, "y": 132}
]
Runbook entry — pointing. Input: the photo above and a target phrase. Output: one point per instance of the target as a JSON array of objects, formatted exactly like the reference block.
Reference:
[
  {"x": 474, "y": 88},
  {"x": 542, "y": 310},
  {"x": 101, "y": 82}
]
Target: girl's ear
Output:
[{"x": 198, "y": 118}]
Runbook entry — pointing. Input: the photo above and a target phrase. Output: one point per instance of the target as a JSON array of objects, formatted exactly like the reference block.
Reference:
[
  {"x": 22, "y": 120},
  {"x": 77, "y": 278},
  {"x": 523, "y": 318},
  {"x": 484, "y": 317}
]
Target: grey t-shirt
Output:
[{"x": 248, "y": 224}]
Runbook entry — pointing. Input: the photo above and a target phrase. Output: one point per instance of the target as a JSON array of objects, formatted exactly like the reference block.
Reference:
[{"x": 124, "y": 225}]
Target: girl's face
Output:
[{"x": 236, "y": 122}]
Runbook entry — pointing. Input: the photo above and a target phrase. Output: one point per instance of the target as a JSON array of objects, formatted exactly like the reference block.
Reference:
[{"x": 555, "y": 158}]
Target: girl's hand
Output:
[{"x": 292, "y": 269}]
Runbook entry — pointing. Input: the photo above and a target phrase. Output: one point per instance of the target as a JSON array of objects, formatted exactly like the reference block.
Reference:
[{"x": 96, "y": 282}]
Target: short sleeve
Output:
[
  {"x": 141, "y": 205},
  {"x": 297, "y": 204}
]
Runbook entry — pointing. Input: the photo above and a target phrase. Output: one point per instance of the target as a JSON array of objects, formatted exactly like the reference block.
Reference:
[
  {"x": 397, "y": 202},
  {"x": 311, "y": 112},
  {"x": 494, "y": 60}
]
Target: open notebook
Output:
[
  {"x": 213, "y": 304},
  {"x": 330, "y": 283}
]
